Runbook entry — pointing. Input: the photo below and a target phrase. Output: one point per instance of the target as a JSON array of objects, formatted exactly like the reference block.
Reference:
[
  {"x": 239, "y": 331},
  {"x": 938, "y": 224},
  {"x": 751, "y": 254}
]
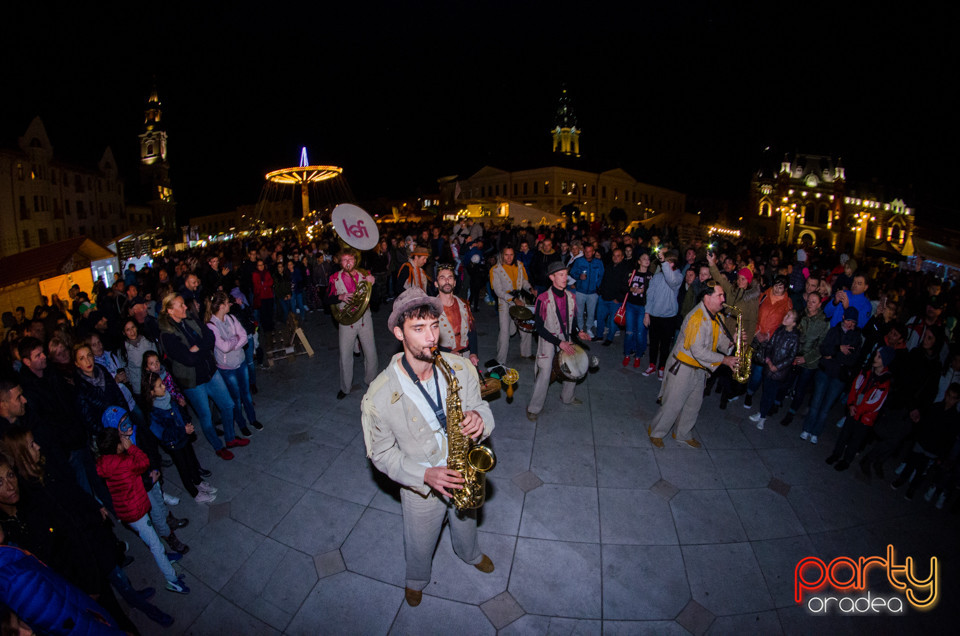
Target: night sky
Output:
[{"x": 685, "y": 96}]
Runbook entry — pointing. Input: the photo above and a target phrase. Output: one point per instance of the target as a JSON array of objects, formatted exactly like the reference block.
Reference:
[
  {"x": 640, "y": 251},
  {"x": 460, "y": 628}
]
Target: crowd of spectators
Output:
[{"x": 102, "y": 392}]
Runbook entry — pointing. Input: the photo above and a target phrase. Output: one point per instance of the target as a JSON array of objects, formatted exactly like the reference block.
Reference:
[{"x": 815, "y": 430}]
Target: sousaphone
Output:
[{"x": 358, "y": 230}]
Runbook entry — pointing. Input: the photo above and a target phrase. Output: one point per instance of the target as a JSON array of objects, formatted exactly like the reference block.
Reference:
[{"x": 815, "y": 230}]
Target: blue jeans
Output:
[
  {"x": 587, "y": 307},
  {"x": 200, "y": 396},
  {"x": 284, "y": 306},
  {"x": 825, "y": 393},
  {"x": 144, "y": 528},
  {"x": 239, "y": 386},
  {"x": 756, "y": 378},
  {"x": 769, "y": 397},
  {"x": 606, "y": 310},
  {"x": 635, "y": 342},
  {"x": 158, "y": 510},
  {"x": 250, "y": 352},
  {"x": 296, "y": 303}
]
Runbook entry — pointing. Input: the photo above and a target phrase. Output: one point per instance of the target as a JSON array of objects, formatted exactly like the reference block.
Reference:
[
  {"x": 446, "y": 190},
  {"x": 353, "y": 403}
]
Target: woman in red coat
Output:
[{"x": 263, "y": 296}]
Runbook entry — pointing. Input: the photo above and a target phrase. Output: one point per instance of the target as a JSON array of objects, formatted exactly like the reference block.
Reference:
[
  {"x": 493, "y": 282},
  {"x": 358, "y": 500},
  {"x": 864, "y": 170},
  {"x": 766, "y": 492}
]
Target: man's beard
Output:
[
  {"x": 447, "y": 289},
  {"x": 423, "y": 355}
]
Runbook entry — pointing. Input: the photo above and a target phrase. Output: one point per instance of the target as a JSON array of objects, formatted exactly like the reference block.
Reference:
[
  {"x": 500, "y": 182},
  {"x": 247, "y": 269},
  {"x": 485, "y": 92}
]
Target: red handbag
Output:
[{"x": 620, "y": 318}]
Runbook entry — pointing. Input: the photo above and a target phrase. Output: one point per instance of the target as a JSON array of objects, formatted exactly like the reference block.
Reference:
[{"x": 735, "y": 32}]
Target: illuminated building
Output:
[
  {"x": 155, "y": 169},
  {"x": 562, "y": 183},
  {"x": 45, "y": 200},
  {"x": 808, "y": 199}
]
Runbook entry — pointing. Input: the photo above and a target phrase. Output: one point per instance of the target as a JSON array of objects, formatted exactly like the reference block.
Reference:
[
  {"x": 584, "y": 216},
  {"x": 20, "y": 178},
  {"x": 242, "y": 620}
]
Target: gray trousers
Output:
[
  {"x": 422, "y": 522},
  {"x": 545, "y": 353},
  {"x": 507, "y": 329},
  {"x": 680, "y": 397},
  {"x": 349, "y": 334}
]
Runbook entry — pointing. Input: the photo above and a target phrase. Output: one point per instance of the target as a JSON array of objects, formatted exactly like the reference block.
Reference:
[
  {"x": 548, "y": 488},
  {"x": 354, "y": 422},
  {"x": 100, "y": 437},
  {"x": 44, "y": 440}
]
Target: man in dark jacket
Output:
[
  {"x": 935, "y": 436},
  {"x": 538, "y": 267},
  {"x": 839, "y": 353},
  {"x": 613, "y": 289}
]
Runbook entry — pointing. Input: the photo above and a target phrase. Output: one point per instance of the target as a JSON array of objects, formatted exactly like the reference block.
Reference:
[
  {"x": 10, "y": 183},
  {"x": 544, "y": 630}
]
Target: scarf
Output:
[{"x": 162, "y": 403}]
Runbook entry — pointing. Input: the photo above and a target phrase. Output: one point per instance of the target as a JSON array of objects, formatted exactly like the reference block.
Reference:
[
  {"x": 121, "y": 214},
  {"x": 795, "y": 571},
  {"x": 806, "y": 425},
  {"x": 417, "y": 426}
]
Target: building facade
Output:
[
  {"x": 808, "y": 199},
  {"x": 563, "y": 184},
  {"x": 43, "y": 200}
]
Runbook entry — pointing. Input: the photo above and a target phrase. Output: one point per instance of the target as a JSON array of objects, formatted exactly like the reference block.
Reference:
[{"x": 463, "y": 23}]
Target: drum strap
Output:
[{"x": 560, "y": 317}]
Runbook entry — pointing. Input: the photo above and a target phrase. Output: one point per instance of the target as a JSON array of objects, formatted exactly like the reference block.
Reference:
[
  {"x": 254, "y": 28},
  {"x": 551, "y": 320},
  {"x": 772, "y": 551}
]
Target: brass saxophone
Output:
[
  {"x": 744, "y": 353},
  {"x": 472, "y": 461}
]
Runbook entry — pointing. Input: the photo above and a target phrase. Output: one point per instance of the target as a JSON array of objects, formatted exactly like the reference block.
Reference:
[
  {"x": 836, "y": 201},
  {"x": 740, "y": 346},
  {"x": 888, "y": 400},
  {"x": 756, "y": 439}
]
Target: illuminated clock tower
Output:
[
  {"x": 154, "y": 168},
  {"x": 566, "y": 135}
]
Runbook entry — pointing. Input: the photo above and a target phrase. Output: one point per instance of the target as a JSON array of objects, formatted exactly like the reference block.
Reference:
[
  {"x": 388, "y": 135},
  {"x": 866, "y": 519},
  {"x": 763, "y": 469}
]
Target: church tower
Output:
[
  {"x": 154, "y": 168},
  {"x": 566, "y": 135}
]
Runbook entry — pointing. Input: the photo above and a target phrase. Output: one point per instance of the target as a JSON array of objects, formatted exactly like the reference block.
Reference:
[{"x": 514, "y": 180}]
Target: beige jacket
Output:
[{"x": 398, "y": 439}]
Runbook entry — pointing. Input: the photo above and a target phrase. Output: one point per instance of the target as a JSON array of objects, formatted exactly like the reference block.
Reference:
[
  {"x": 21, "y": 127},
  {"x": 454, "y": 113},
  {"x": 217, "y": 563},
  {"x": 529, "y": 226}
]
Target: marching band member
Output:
[
  {"x": 404, "y": 419},
  {"x": 556, "y": 317},
  {"x": 508, "y": 278},
  {"x": 342, "y": 286},
  {"x": 458, "y": 334},
  {"x": 411, "y": 273},
  {"x": 695, "y": 355}
]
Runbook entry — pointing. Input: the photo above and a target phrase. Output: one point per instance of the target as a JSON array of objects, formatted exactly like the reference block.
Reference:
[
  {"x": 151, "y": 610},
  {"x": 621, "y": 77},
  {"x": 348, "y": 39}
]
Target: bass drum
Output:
[
  {"x": 524, "y": 318},
  {"x": 570, "y": 367}
]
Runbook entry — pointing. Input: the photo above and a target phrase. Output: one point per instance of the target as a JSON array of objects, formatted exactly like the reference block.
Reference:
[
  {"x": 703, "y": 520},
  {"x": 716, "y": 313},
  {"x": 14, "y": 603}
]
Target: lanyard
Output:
[{"x": 436, "y": 406}]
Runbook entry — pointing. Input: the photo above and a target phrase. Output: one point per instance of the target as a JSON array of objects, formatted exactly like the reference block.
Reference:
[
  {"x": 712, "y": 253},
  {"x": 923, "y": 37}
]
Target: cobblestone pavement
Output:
[{"x": 591, "y": 529}]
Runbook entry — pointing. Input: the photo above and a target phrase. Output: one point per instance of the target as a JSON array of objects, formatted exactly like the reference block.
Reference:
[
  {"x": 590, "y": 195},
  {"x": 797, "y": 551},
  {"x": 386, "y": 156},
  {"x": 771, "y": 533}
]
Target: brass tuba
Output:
[
  {"x": 744, "y": 352},
  {"x": 472, "y": 461},
  {"x": 356, "y": 304}
]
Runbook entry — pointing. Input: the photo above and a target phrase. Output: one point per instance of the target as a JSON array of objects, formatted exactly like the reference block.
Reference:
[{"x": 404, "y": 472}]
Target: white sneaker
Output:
[
  {"x": 756, "y": 417},
  {"x": 760, "y": 424},
  {"x": 814, "y": 439},
  {"x": 204, "y": 497},
  {"x": 207, "y": 488},
  {"x": 660, "y": 374},
  {"x": 804, "y": 435},
  {"x": 170, "y": 500}
]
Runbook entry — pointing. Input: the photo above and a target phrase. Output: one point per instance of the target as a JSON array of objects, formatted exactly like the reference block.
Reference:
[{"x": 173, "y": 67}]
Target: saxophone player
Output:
[
  {"x": 342, "y": 286},
  {"x": 404, "y": 417},
  {"x": 695, "y": 355}
]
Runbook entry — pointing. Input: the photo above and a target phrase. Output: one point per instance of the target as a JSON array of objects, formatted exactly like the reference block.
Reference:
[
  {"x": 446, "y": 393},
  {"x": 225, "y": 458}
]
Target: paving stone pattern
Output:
[{"x": 592, "y": 530}]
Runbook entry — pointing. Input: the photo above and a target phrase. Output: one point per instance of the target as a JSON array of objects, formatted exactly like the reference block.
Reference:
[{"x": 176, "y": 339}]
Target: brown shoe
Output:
[
  {"x": 413, "y": 597},
  {"x": 657, "y": 441},
  {"x": 485, "y": 565},
  {"x": 531, "y": 416},
  {"x": 692, "y": 443}
]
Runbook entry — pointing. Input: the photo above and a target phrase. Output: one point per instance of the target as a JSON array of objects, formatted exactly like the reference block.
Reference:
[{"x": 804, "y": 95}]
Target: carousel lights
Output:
[{"x": 724, "y": 231}]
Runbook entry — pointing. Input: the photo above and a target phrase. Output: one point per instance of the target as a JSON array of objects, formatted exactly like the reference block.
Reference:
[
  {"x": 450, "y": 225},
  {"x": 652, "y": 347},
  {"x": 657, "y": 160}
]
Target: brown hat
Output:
[
  {"x": 413, "y": 297},
  {"x": 420, "y": 251}
]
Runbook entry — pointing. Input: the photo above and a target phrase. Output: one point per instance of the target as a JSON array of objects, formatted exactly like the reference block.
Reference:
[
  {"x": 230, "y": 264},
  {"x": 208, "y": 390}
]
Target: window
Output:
[
  {"x": 483, "y": 191},
  {"x": 113, "y": 230},
  {"x": 69, "y": 232},
  {"x": 525, "y": 188},
  {"x": 26, "y": 239},
  {"x": 77, "y": 183},
  {"x": 514, "y": 189},
  {"x": 593, "y": 190},
  {"x": 536, "y": 186},
  {"x": 81, "y": 212},
  {"x": 83, "y": 230},
  {"x": 57, "y": 212},
  {"x": 42, "y": 236},
  {"x": 20, "y": 171},
  {"x": 546, "y": 187},
  {"x": 58, "y": 234},
  {"x": 24, "y": 212},
  {"x": 66, "y": 206},
  {"x": 53, "y": 177},
  {"x": 603, "y": 192}
]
